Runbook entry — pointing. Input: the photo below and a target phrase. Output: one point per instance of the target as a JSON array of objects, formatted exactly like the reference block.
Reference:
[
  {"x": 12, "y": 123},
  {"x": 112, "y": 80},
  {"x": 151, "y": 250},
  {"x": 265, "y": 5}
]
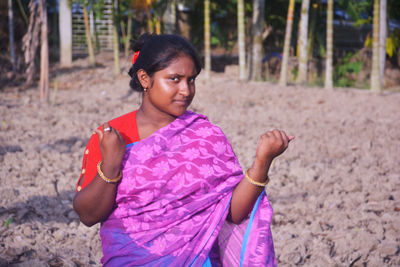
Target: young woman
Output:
[{"x": 165, "y": 183}]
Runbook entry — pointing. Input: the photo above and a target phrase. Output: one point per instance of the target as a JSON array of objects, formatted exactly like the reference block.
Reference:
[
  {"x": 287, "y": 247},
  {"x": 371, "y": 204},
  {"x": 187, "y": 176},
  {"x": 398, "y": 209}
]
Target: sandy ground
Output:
[{"x": 335, "y": 192}]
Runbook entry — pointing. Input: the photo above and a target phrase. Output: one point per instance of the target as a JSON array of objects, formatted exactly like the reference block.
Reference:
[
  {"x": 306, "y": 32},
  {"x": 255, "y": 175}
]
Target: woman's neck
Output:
[{"x": 150, "y": 120}]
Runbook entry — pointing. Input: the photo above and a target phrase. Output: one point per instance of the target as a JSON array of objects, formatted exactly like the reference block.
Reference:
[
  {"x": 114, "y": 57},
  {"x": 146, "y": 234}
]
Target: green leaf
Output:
[
  {"x": 351, "y": 10},
  {"x": 8, "y": 222},
  {"x": 368, "y": 42},
  {"x": 215, "y": 41},
  {"x": 390, "y": 46},
  {"x": 392, "y": 43},
  {"x": 361, "y": 22},
  {"x": 248, "y": 7}
]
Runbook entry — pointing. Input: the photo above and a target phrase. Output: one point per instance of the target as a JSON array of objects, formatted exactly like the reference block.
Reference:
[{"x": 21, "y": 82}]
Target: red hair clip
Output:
[{"x": 135, "y": 56}]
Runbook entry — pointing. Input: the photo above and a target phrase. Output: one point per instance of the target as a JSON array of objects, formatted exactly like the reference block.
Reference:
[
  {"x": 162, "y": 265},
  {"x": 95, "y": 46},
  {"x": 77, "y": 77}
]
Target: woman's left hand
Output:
[{"x": 272, "y": 144}]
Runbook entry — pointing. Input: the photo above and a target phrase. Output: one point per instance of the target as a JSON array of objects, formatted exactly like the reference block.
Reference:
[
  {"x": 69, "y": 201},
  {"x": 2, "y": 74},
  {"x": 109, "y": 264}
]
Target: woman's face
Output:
[{"x": 172, "y": 89}]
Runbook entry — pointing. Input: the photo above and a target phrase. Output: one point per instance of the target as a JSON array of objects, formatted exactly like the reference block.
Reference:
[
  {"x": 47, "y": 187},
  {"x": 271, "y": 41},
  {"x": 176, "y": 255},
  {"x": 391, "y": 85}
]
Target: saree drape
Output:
[{"x": 173, "y": 201}]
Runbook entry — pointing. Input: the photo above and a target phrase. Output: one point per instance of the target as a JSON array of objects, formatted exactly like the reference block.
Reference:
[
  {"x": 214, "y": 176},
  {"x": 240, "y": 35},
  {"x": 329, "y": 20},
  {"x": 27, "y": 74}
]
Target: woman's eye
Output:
[
  {"x": 175, "y": 79},
  {"x": 192, "y": 80}
]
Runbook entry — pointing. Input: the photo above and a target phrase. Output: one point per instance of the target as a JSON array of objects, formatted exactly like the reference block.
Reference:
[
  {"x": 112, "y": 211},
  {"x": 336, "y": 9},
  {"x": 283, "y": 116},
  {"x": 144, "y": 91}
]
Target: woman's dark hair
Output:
[{"x": 157, "y": 52}]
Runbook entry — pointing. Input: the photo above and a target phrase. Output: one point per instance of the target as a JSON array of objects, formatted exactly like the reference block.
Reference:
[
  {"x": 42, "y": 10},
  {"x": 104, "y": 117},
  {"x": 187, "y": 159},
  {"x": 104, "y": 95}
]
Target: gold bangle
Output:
[
  {"x": 255, "y": 182},
  {"x": 102, "y": 176}
]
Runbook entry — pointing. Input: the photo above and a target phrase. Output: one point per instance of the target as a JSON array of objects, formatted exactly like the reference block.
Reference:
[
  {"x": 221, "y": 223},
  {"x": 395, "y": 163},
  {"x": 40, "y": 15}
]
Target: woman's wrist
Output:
[
  {"x": 259, "y": 171},
  {"x": 262, "y": 165},
  {"x": 110, "y": 170},
  {"x": 254, "y": 182}
]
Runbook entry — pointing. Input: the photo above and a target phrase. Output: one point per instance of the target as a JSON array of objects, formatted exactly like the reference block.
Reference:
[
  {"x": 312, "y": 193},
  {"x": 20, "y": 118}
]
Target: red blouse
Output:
[{"x": 127, "y": 126}]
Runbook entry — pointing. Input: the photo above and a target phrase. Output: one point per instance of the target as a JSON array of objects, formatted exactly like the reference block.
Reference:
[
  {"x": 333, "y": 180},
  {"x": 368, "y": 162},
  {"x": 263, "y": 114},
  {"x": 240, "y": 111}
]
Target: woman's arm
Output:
[
  {"x": 271, "y": 145},
  {"x": 95, "y": 202}
]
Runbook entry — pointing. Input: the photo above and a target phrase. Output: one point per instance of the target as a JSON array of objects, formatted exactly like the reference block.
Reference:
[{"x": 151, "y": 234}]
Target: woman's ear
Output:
[{"x": 143, "y": 78}]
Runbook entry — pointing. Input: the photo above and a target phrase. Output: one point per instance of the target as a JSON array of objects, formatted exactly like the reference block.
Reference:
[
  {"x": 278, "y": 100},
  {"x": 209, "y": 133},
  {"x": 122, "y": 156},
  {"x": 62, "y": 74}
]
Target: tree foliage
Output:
[{"x": 136, "y": 16}]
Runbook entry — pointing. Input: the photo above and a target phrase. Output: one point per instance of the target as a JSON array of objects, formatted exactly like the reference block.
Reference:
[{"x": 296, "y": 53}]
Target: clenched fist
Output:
[
  {"x": 272, "y": 144},
  {"x": 112, "y": 147}
]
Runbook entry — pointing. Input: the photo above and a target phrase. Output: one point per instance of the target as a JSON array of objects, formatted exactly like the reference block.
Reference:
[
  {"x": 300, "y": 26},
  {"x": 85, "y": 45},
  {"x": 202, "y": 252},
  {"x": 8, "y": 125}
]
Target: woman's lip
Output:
[{"x": 183, "y": 102}]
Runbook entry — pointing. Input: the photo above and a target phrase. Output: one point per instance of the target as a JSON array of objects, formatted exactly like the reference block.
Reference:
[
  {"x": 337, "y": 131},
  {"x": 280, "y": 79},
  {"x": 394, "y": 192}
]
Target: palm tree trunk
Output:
[
  {"x": 124, "y": 35},
  {"x": 44, "y": 54},
  {"x": 89, "y": 42},
  {"x": 158, "y": 25},
  {"x": 65, "y": 28},
  {"x": 311, "y": 40},
  {"x": 241, "y": 41},
  {"x": 286, "y": 46},
  {"x": 311, "y": 35},
  {"x": 150, "y": 26},
  {"x": 375, "y": 73},
  {"x": 329, "y": 46},
  {"x": 11, "y": 30},
  {"x": 171, "y": 17},
  {"x": 117, "y": 69},
  {"x": 31, "y": 41},
  {"x": 382, "y": 40},
  {"x": 207, "y": 39},
  {"x": 257, "y": 31},
  {"x": 303, "y": 36},
  {"x": 93, "y": 32},
  {"x": 128, "y": 35}
]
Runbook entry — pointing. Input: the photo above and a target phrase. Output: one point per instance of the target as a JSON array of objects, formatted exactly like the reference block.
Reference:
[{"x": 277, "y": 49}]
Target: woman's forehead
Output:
[{"x": 183, "y": 64}]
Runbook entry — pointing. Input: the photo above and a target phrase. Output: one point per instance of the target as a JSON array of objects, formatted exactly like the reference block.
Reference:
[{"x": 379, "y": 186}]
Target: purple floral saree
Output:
[{"x": 173, "y": 201}]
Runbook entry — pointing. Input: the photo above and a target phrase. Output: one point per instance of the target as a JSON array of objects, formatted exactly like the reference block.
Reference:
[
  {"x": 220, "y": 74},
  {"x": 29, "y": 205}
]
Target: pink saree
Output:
[{"x": 173, "y": 201}]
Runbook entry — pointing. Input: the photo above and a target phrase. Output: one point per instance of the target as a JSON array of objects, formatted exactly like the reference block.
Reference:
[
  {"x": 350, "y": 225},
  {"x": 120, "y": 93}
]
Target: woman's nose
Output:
[{"x": 184, "y": 88}]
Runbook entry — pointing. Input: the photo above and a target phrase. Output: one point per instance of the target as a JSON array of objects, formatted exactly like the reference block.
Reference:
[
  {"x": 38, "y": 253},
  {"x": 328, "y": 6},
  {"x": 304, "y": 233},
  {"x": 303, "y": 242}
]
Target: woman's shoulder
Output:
[
  {"x": 127, "y": 126},
  {"x": 127, "y": 118}
]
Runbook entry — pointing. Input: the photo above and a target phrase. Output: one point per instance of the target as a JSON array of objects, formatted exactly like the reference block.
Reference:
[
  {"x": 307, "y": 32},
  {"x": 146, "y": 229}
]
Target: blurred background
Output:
[{"x": 319, "y": 33}]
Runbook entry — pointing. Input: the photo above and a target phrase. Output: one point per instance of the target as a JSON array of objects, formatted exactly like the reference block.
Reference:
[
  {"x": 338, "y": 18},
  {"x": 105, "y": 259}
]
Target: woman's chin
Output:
[{"x": 180, "y": 110}]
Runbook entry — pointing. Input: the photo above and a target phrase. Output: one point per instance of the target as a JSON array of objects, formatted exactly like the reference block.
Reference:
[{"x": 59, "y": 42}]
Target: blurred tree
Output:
[
  {"x": 356, "y": 10},
  {"x": 382, "y": 39},
  {"x": 393, "y": 41},
  {"x": 117, "y": 69},
  {"x": 146, "y": 6},
  {"x": 311, "y": 34},
  {"x": 31, "y": 41},
  {"x": 375, "y": 73},
  {"x": 257, "y": 42},
  {"x": 159, "y": 8},
  {"x": 125, "y": 12},
  {"x": 22, "y": 11},
  {"x": 128, "y": 33},
  {"x": 302, "y": 40},
  {"x": 88, "y": 34},
  {"x": 170, "y": 15},
  {"x": 362, "y": 9},
  {"x": 44, "y": 54},
  {"x": 65, "y": 31},
  {"x": 286, "y": 47},
  {"x": 11, "y": 33},
  {"x": 207, "y": 48},
  {"x": 184, "y": 11},
  {"x": 150, "y": 22},
  {"x": 329, "y": 46},
  {"x": 223, "y": 26},
  {"x": 241, "y": 40}
]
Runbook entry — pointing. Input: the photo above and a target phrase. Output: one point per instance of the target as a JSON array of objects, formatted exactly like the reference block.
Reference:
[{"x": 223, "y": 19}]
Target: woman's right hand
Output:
[
  {"x": 96, "y": 201},
  {"x": 112, "y": 147}
]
